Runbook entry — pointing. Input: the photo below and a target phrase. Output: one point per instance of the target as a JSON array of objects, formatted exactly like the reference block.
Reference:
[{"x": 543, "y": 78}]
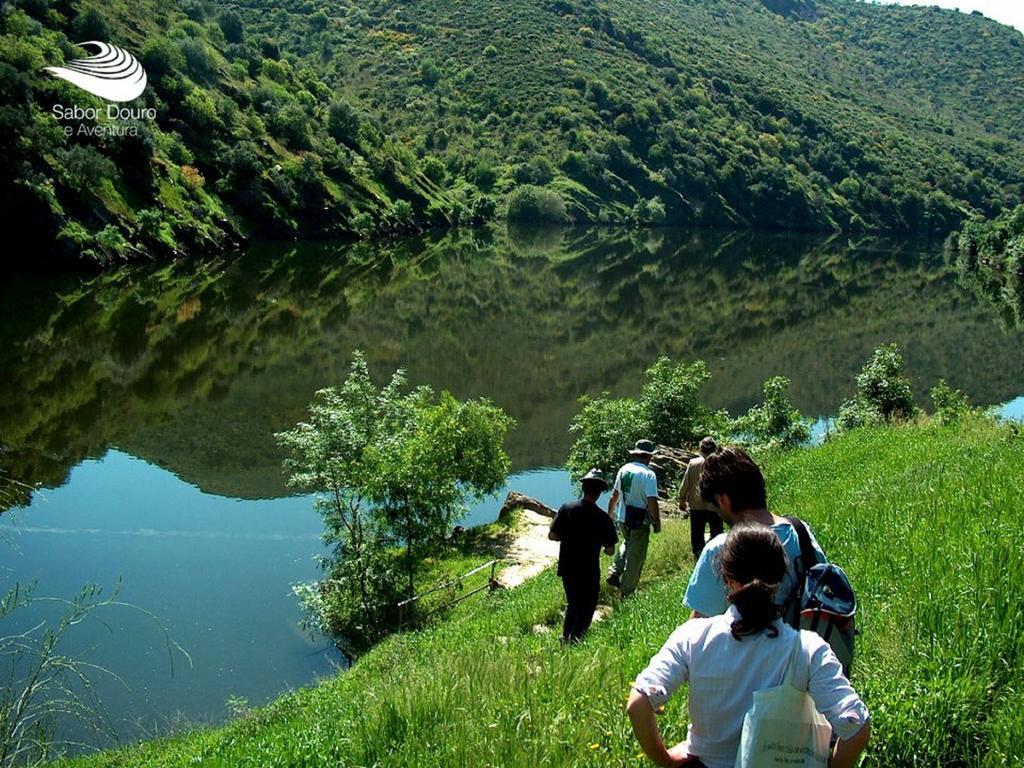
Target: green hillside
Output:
[
  {"x": 829, "y": 114},
  {"x": 308, "y": 118},
  {"x": 935, "y": 556},
  {"x": 239, "y": 147}
]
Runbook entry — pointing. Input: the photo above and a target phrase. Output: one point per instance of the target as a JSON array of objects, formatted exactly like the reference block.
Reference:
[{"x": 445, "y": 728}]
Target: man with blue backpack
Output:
[{"x": 813, "y": 595}]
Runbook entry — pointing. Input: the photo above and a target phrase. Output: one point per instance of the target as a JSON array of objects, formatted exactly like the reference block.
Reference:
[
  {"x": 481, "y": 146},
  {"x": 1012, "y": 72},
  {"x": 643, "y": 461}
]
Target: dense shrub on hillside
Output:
[{"x": 537, "y": 205}]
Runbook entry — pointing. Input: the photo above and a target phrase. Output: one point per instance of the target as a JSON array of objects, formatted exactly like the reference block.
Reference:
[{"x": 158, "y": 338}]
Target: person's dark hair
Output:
[
  {"x": 753, "y": 557},
  {"x": 593, "y": 487},
  {"x": 733, "y": 473},
  {"x": 708, "y": 446}
]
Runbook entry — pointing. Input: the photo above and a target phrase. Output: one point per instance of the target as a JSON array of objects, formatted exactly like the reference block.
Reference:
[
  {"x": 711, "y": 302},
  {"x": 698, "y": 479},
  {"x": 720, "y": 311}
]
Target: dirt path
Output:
[{"x": 530, "y": 552}]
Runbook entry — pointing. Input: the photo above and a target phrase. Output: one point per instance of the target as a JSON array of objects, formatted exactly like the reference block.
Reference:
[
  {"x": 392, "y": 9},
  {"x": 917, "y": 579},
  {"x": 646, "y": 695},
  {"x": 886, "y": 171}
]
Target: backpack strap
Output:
[
  {"x": 808, "y": 556},
  {"x": 801, "y": 566}
]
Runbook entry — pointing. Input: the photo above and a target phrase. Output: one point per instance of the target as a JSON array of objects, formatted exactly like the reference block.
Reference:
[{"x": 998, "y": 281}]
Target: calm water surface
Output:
[{"x": 143, "y": 404}]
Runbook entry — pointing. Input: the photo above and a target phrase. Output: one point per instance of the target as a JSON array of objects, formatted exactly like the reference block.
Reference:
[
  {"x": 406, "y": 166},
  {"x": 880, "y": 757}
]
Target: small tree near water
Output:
[
  {"x": 884, "y": 393},
  {"x": 775, "y": 423},
  {"x": 392, "y": 470},
  {"x": 668, "y": 411}
]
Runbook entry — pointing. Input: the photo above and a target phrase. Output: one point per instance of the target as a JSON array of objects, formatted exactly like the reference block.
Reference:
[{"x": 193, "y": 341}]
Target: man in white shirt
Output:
[{"x": 636, "y": 486}]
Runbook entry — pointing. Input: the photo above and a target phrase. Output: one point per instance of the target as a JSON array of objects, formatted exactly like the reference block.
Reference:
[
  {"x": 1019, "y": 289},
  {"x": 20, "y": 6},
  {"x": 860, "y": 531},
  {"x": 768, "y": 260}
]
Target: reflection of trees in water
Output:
[{"x": 194, "y": 366}]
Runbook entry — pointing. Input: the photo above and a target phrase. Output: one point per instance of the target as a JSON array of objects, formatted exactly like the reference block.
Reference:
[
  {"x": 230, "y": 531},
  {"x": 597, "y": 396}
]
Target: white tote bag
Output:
[{"x": 783, "y": 728}]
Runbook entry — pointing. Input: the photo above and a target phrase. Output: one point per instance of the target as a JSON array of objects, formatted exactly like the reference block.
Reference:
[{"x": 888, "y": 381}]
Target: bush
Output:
[
  {"x": 403, "y": 211},
  {"x": 775, "y": 423},
  {"x": 197, "y": 57},
  {"x": 291, "y": 125},
  {"x": 528, "y": 203},
  {"x": 342, "y": 122},
  {"x": 161, "y": 56},
  {"x": 648, "y": 212},
  {"x": 883, "y": 392},
  {"x": 83, "y": 167},
  {"x": 951, "y": 405},
  {"x": 483, "y": 173},
  {"x": 434, "y": 170},
  {"x": 669, "y": 411},
  {"x": 363, "y": 224},
  {"x": 90, "y": 25},
  {"x": 231, "y": 25}
]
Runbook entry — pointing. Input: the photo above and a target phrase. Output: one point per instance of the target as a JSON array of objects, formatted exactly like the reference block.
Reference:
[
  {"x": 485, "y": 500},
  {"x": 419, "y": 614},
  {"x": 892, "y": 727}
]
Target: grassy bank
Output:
[{"x": 926, "y": 519}]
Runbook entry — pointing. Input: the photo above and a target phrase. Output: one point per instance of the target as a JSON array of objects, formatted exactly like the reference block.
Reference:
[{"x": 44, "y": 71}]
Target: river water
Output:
[{"x": 142, "y": 404}]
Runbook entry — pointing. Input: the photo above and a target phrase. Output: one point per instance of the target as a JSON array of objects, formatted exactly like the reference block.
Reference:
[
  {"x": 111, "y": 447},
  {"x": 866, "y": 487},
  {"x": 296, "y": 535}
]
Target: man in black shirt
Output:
[{"x": 583, "y": 529}]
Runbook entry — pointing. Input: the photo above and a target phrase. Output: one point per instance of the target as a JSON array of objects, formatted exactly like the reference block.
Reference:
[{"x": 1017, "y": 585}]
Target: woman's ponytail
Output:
[
  {"x": 753, "y": 558},
  {"x": 756, "y": 603}
]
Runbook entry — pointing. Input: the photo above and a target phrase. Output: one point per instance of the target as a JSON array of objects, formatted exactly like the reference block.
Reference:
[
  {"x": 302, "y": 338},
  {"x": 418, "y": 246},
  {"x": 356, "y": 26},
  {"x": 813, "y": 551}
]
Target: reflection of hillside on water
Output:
[{"x": 194, "y": 366}]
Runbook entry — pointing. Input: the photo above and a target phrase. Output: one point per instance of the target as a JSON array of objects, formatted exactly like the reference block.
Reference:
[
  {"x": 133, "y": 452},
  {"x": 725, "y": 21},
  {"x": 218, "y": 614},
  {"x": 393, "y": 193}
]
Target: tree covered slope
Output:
[
  {"x": 308, "y": 118},
  {"x": 832, "y": 113},
  {"x": 235, "y": 146}
]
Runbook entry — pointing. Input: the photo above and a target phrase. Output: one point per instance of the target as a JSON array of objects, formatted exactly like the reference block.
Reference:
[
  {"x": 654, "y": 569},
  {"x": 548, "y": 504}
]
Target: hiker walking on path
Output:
[
  {"x": 734, "y": 482},
  {"x": 636, "y": 486},
  {"x": 583, "y": 530},
  {"x": 727, "y": 658},
  {"x": 703, "y": 514}
]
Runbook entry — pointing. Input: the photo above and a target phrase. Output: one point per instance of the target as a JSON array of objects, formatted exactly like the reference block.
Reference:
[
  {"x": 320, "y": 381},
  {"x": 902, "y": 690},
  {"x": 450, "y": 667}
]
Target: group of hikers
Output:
[{"x": 742, "y": 635}]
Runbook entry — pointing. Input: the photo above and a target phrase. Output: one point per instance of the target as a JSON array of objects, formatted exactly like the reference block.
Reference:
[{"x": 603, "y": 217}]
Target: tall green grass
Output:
[{"x": 926, "y": 520}]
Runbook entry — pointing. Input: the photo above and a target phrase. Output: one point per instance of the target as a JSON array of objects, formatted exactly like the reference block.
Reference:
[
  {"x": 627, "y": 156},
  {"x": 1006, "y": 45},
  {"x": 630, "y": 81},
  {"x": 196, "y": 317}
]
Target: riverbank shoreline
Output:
[{"x": 935, "y": 557}]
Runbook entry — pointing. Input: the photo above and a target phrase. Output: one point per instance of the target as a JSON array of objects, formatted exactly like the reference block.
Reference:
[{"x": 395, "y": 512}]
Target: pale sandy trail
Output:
[{"x": 530, "y": 551}]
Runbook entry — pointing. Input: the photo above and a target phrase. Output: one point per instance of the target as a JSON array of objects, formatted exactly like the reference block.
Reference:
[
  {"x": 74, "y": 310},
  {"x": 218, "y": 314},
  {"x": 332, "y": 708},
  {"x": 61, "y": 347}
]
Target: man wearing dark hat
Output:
[
  {"x": 636, "y": 487},
  {"x": 583, "y": 529}
]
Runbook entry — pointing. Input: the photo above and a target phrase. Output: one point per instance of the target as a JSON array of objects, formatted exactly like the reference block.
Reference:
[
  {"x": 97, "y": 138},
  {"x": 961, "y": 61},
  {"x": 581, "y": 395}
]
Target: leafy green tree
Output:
[
  {"x": 198, "y": 58},
  {"x": 391, "y": 470},
  {"x": 434, "y": 170},
  {"x": 403, "y": 211},
  {"x": 85, "y": 167},
  {"x": 161, "y": 57},
  {"x": 884, "y": 393},
  {"x": 291, "y": 124},
  {"x": 334, "y": 453},
  {"x": 951, "y": 405},
  {"x": 443, "y": 454},
  {"x": 231, "y": 25},
  {"x": 668, "y": 411},
  {"x": 605, "y": 429},
  {"x": 775, "y": 423},
  {"x": 672, "y": 408},
  {"x": 342, "y": 122},
  {"x": 90, "y": 24}
]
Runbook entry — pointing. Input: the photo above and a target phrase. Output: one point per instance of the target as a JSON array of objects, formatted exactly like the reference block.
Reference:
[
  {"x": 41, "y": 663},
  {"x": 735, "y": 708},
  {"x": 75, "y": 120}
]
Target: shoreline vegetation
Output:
[
  {"x": 990, "y": 256},
  {"x": 321, "y": 120},
  {"x": 922, "y": 515},
  {"x": 922, "y": 511}
]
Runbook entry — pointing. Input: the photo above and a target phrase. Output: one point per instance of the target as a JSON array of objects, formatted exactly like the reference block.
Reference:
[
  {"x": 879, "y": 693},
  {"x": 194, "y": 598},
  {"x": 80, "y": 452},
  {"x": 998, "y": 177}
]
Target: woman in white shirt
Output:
[{"x": 726, "y": 658}]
